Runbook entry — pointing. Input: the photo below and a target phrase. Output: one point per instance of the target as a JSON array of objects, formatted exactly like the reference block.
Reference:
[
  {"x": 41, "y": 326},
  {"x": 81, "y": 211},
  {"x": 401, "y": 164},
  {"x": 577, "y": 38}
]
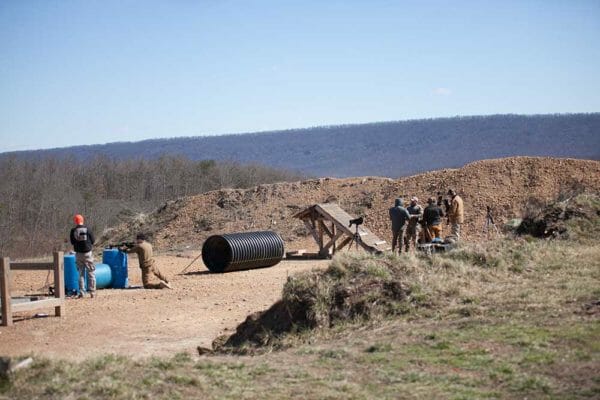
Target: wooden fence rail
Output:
[{"x": 58, "y": 302}]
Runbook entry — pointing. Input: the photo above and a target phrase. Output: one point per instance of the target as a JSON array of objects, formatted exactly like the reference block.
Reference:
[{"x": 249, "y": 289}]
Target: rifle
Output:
[
  {"x": 127, "y": 245},
  {"x": 441, "y": 201},
  {"x": 446, "y": 206}
]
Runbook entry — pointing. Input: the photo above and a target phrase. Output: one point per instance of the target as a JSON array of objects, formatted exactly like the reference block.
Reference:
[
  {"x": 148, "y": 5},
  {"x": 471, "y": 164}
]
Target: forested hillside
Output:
[
  {"x": 39, "y": 198},
  {"x": 390, "y": 149}
]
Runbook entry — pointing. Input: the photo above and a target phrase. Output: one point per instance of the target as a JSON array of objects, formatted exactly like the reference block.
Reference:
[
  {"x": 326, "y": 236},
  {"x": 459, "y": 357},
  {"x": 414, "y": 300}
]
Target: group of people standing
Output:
[
  {"x": 414, "y": 224},
  {"x": 83, "y": 240}
]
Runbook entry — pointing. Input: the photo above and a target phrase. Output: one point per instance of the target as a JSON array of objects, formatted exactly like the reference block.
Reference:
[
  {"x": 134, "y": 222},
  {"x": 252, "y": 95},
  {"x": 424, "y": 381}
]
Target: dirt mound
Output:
[
  {"x": 552, "y": 221},
  {"x": 504, "y": 184},
  {"x": 352, "y": 288}
]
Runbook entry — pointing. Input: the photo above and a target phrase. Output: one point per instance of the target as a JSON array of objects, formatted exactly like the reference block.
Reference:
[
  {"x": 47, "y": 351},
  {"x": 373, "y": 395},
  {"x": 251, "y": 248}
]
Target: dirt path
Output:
[{"x": 140, "y": 323}]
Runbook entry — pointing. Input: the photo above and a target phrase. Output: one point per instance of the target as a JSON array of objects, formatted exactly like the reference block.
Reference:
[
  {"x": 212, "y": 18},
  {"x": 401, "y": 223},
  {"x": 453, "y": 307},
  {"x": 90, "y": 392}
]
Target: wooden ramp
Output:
[{"x": 330, "y": 222}]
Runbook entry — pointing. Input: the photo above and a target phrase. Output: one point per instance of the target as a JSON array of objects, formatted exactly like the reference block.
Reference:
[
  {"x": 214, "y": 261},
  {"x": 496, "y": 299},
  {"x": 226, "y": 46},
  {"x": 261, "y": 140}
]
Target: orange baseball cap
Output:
[{"x": 78, "y": 219}]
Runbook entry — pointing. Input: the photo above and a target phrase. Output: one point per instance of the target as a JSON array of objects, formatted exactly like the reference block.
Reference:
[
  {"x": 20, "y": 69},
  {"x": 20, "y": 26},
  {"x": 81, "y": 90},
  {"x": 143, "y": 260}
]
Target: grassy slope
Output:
[{"x": 510, "y": 319}]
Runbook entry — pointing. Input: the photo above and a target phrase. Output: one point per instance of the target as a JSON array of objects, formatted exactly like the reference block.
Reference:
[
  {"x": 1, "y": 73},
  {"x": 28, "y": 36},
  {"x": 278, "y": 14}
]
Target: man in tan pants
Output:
[
  {"x": 143, "y": 249},
  {"x": 412, "y": 230},
  {"x": 456, "y": 215}
]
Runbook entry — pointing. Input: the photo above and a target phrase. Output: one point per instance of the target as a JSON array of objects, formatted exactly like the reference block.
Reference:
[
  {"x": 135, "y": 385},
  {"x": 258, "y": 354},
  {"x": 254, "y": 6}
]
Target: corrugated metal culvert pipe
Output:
[{"x": 238, "y": 251}]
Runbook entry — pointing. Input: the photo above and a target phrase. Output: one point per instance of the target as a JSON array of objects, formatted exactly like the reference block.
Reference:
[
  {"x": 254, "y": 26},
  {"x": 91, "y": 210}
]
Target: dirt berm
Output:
[
  {"x": 505, "y": 184},
  {"x": 358, "y": 287}
]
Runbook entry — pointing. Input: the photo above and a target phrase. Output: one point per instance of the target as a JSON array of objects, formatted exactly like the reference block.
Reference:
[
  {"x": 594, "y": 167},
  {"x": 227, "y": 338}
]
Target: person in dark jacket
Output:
[
  {"x": 83, "y": 240},
  {"x": 398, "y": 216},
  {"x": 432, "y": 218}
]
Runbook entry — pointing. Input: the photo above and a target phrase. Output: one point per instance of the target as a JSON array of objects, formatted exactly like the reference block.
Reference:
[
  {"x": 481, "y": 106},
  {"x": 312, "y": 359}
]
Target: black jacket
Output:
[
  {"x": 432, "y": 215},
  {"x": 82, "y": 239},
  {"x": 399, "y": 216}
]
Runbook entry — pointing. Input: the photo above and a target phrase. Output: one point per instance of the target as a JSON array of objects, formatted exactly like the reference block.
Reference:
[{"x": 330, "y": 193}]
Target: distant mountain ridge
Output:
[{"x": 389, "y": 149}]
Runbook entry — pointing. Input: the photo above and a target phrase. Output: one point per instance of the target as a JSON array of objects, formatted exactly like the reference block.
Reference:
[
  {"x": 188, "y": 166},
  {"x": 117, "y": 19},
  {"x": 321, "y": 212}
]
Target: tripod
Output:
[
  {"x": 489, "y": 223},
  {"x": 356, "y": 240},
  {"x": 190, "y": 264}
]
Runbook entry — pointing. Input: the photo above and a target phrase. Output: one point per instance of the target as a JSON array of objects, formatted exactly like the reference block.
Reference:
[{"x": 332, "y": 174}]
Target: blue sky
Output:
[{"x": 86, "y": 72}]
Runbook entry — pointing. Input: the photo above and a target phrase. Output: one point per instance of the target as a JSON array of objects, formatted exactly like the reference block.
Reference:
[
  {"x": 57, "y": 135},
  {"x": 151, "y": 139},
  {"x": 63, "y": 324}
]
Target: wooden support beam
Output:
[
  {"x": 59, "y": 283},
  {"x": 333, "y": 240},
  {"x": 31, "y": 266},
  {"x": 345, "y": 242},
  {"x": 34, "y": 305},
  {"x": 324, "y": 228},
  {"x": 320, "y": 231},
  {"x": 311, "y": 230},
  {"x": 5, "y": 291},
  {"x": 333, "y": 231}
]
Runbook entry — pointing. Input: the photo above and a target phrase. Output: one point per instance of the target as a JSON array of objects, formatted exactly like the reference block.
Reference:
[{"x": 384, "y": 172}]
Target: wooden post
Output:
[
  {"x": 320, "y": 230},
  {"x": 334, "y": 240},
  {"x": 5, "y": 291},
  {"x": 59, "y": 282}
]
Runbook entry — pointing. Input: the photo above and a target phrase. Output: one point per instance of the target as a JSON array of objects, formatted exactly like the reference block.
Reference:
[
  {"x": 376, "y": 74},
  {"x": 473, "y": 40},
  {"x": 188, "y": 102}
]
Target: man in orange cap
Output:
[{"x": 83, "y": 240}]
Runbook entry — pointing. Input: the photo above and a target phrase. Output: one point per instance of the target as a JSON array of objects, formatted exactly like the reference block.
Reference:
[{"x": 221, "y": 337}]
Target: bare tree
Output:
[{"x": 39, "y": 197}]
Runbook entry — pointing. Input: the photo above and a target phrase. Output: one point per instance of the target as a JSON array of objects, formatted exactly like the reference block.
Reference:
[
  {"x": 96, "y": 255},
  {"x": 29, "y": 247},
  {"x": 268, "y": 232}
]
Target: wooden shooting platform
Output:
[
  {"x": 58, "y": 301},
  {"x": 329, "y": 221}
]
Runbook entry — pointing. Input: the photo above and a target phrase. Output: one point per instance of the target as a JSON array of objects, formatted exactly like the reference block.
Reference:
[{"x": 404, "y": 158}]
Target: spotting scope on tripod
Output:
[
  {"x": 489, "y": 222},
  {"x": 356, "y": 237}
]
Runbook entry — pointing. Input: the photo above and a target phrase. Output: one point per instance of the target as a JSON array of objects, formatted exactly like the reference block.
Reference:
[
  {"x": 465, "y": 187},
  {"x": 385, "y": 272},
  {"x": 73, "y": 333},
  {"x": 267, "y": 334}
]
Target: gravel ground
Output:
[{"x": 140, "y": 323}]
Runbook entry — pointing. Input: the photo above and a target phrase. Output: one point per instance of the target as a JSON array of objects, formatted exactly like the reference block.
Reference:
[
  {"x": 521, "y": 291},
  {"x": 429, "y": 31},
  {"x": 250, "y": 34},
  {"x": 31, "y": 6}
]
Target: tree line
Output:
[{"x": 38, "y": 198}]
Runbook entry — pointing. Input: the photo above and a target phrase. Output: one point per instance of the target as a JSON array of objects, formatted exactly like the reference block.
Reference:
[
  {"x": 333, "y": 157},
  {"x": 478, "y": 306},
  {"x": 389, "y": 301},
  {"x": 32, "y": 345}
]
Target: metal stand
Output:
[
  {"x": 356, "y": 240},
  {"x": 190, "y": 264},
  {"x": 489, "y": 224}
]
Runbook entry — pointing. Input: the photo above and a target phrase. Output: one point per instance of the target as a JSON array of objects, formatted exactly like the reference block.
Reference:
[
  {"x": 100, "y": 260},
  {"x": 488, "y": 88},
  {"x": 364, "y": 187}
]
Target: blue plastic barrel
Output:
[
  {"x": 71, "y": 275},
  {"x": 103, "y": 276},
  {"x": 118, "y": 264},
  {"x": 109, "y": 256}
]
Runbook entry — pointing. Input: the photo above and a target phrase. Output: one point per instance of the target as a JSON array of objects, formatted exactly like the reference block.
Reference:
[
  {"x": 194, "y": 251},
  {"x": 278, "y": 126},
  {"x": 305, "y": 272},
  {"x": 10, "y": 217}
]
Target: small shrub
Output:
[
  {"x": 577, "y": 214},
  {"x": 474, "y": 254},
  {"x": 183, "y": 380},
  {"x": 182, "y": 358},
  {"x": 379, "y": 348},
  {"x": 441, "y": 345},
  {"x": 162, "y": 364},
  {"x": 333, "y": 354}
]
